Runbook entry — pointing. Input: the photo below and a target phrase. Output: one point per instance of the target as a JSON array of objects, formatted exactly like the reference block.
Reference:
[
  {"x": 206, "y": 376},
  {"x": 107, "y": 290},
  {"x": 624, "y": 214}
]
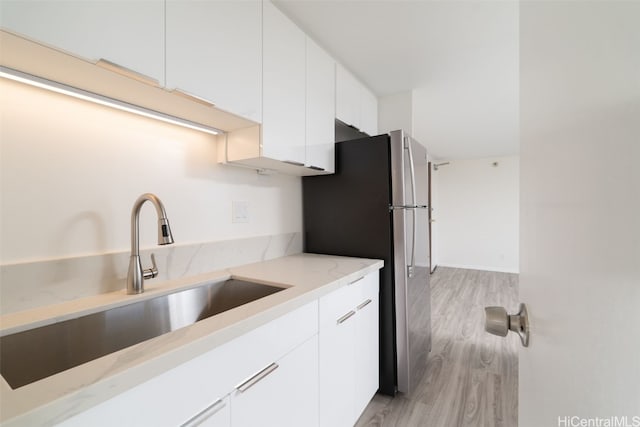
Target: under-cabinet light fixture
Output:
[{"x": 19, "y": 76}]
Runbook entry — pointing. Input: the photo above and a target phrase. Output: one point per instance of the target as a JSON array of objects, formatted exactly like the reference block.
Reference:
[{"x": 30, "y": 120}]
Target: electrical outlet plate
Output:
[{"x": 239, "y": 212}]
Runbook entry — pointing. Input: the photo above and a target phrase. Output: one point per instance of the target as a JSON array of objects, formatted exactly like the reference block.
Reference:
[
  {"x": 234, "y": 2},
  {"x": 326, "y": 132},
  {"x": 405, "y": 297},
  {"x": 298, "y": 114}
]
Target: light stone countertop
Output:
[{"x": 306, "y": 277}]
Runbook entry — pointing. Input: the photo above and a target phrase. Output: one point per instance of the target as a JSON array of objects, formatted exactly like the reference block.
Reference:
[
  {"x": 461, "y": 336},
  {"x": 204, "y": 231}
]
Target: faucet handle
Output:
[{"x": 150, "y": 273}]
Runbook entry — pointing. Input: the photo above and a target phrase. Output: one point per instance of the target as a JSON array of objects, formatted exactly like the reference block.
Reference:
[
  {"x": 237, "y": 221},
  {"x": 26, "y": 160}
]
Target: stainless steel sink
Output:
[{"x": 31, "y": 355}]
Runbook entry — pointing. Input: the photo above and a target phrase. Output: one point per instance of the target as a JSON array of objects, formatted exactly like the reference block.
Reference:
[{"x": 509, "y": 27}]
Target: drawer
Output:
[
  {"x": 173, "y": 397},
  {"x": 340, "y": 303}
]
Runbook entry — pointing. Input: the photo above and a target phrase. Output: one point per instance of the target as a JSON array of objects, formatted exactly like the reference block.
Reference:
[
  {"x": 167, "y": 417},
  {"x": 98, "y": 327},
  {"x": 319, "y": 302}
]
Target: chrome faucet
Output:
[{"x": 136, "y": 276}]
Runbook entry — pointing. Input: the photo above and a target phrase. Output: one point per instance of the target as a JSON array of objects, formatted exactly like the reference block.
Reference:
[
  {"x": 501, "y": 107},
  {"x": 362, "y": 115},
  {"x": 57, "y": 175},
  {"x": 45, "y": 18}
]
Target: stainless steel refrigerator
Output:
[{"x": 375, "y": 206}]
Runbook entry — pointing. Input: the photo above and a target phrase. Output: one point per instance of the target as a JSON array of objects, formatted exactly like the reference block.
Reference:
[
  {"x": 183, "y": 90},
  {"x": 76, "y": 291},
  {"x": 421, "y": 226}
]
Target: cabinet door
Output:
[
  {"x": 283, "y": 394},
  {"x": 366, "y": 343},
  {"x": 171, "y": 399},
  {"x": 347, "y": 97},
  {"x": 369, "y": 112},
  {"x": 179, "y": 394},
  {"x": 337, "y": 358},
  {"x": 214, "y": 51},
  {"x": 129, "y": 33},
  {"x": 321, "y": 101},
  {"x": 283, "y": 114}
]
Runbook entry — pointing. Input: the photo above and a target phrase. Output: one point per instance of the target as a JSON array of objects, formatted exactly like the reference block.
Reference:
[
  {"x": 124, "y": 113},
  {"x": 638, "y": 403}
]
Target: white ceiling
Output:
[{"x": 460, "y": 59}]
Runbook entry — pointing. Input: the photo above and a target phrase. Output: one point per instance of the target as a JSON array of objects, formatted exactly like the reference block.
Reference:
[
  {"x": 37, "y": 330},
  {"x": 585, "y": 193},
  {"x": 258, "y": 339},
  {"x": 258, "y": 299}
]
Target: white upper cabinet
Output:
[
  {"x": 321, "y": 100},
  {"x": 356, "y": 105},
  {"x": 129, "y": 33},
  {"x": 347, "y": 97},
  {"x": 298, "y": 105},
  {"x": 283, "y": 88},
  {"x": 369, "y": 112},
  {"x": 244, "y": 57},
  {"x": 214, "y": 51}
]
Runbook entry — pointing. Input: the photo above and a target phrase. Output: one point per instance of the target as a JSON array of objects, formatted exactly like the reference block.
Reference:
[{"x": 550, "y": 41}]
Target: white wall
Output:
[
  {"x": 475, "y": 205},
  {"x": 71, "y": 170},
  {"x": 477, "y": 214},
  {"x": 395, "y": 112},
  {"x": 435, "y": 231},
  {"x": 467, "y": 107}
]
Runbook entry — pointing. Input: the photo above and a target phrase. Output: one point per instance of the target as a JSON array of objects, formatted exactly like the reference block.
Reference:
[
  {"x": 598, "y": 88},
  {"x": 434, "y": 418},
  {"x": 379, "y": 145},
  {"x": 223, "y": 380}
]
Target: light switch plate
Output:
[{"x": 239, "y": 212}]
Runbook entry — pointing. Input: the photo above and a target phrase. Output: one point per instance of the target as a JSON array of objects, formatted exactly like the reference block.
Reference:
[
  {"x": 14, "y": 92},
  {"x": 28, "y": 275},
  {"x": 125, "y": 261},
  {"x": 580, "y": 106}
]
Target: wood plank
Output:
[{"x": 472, "y": 377}]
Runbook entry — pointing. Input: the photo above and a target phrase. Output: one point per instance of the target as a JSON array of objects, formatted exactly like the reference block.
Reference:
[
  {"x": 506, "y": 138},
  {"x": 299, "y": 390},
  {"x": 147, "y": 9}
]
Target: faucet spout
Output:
[{"x": 136, "y": 275}]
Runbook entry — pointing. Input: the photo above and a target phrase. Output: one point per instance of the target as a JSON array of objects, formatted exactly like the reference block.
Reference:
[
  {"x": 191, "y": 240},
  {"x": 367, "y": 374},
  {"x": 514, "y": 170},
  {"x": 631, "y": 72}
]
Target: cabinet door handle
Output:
[
  {"x": 192, "y": 97},
  {"x": 364, "y": 304},
  {"x": 205, "y": 414},
  {"x": 346, "y": 317},
  {"x": 291, "y": 162},
  {"x": 357, "y": 280},
  {"x": 257, "y": 378},
  {"x": 127, "y": 72},
  {"x": 316, "y": 168}
]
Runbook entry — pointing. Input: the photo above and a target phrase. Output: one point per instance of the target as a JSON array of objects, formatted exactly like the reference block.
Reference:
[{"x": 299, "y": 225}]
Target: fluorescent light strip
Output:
[{"x": 50, "y": 85}]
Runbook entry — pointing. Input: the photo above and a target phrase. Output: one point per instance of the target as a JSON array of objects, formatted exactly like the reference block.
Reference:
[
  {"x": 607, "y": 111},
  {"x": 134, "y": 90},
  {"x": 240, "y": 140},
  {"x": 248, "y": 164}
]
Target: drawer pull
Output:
[
  {"x": 364, "y": 304},
  {"x": 316, "y": 168},
  {"x": 257, "y": 378},
  {"x": 357, "y": 280},
  {"x": 127, "y": 72},
  {"x": 208, "y": 412},
  {"x": 346, "y": 317},
  {"x": 192, "y": 97}
]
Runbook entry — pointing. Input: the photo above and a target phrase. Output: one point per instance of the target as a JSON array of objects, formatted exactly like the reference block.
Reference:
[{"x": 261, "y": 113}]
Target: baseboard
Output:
[{"x": 480, "y": 267}]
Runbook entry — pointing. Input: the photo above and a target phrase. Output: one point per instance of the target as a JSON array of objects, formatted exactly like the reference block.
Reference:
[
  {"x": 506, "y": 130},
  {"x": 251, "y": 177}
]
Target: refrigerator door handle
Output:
[{"x": 411, "y": 266}]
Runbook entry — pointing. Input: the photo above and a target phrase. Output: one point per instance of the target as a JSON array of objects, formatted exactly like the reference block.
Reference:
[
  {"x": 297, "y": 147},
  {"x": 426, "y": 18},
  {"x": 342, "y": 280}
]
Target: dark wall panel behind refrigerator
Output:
[{"x": 348, "y": 214}]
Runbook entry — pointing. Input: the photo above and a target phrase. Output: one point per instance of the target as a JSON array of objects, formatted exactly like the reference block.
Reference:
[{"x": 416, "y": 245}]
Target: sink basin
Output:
[{"x": 31, "y": 355}]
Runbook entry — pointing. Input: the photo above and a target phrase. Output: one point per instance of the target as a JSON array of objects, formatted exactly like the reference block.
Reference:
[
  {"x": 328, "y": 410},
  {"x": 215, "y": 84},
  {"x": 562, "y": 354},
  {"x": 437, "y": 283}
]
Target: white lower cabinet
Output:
[
  {"x": 348, "y": 355},
  {"x": 316, "y": 365},
  {"x": 337, "y": 358},
  {"x": 366, "y": 343},
  {"x": 189, "y": 392},
  {"x": 284, "y": 394}
]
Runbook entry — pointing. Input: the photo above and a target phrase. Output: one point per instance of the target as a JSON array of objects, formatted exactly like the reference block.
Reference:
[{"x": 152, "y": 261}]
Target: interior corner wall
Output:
[
  {"x": 435, "y": 234},
  {"x": 71, "y": 170},
  {"x": 395, "y": 112},
  {"x": 477, "y": 214}
]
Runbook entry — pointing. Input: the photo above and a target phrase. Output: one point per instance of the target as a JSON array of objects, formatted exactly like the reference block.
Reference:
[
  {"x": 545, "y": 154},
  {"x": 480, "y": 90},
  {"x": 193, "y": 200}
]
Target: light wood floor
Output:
[{"x": 472, "y": 377}]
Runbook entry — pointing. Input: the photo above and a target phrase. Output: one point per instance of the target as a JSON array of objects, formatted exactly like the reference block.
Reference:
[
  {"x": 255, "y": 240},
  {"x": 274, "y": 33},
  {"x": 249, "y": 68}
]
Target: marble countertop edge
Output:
[{"x": 305, "y": 277}]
